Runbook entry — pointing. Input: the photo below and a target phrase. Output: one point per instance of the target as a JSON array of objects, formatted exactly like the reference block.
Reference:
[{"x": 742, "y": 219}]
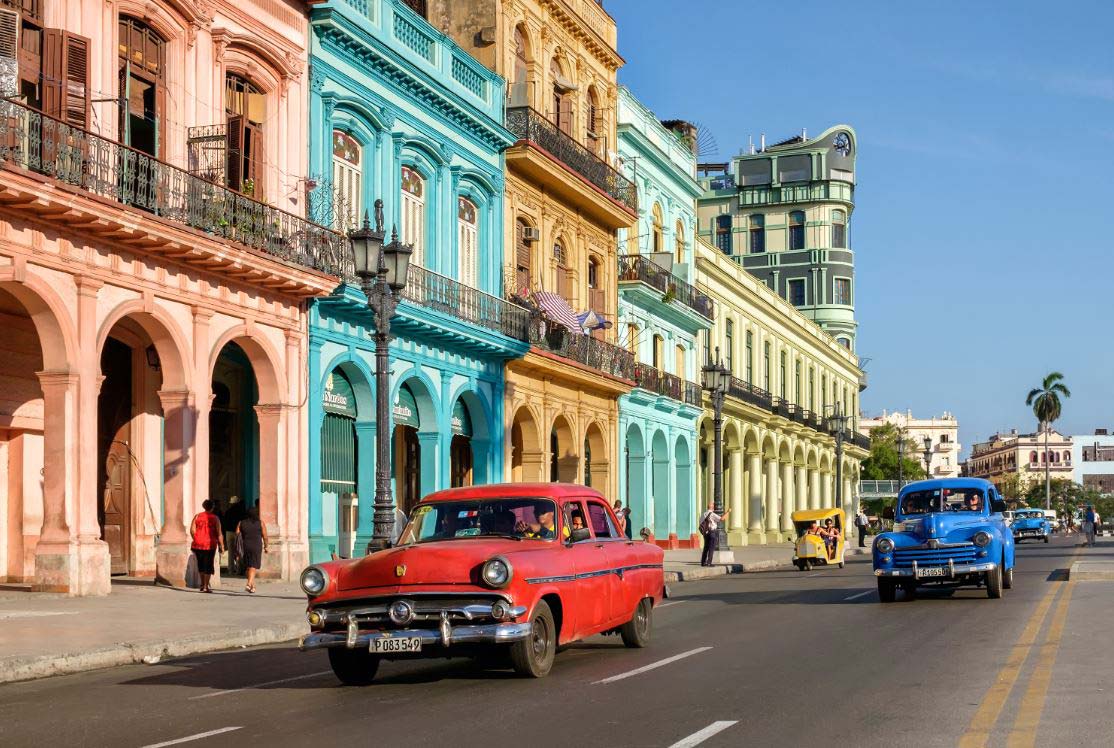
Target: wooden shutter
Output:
[
  {"x": 66, "y": 76},
  {"x": 235, "y": 136},
  {"x": 253, "y": 157},
  {"x": 123, "y": 91},
  {"x": 564, "y": 119},
  {"x": 9, "y": 52}
]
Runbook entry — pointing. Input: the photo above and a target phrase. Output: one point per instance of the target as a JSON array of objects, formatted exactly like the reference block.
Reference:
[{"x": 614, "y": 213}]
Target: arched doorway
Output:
[
  {"x": 596, "y": 464},
  {"x": 339, "y": 462},
  {"x": 660, "y": 484},
  {"x": 461, "y": 457},
  {"x": 526, "y": 448},
  {"x": 233, "y": 437},
  {"x": 563, "y": 461},
  {"x": 636, "y": 478},
  {"x": 406, "y": 450},
  {"x": 686, "y": 512}
]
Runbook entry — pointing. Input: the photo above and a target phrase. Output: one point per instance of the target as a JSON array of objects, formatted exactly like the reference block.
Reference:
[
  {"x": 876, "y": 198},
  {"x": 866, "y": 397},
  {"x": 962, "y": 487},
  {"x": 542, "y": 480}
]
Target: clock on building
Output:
[{"x": 843, "y": 144}]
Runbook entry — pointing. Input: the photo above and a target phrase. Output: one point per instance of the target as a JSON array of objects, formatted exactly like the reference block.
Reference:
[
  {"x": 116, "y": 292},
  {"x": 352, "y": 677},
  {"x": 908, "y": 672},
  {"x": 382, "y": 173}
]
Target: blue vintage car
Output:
[
  {"x": 947, "y": 533},
  {"x": 1030, "y": 524}
]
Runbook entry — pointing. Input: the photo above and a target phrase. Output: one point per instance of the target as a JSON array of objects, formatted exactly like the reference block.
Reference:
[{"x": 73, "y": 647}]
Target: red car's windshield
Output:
[{"x": 469, "y": 518}]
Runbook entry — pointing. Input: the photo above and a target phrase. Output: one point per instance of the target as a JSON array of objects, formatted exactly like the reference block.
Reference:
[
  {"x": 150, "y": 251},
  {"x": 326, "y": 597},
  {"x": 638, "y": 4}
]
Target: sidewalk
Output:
[{"x": 44, "y": 634}]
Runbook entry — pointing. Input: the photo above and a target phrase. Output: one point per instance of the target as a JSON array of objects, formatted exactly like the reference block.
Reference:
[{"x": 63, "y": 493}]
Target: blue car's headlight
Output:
[
  {"x": 884, "y": 545},
  {"x": 981, "y": 539}
]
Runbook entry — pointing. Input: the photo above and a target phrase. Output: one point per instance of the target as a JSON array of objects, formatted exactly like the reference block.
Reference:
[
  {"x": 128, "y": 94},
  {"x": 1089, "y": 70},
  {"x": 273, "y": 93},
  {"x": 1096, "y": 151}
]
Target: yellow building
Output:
[
  {"x": 565, "y": 201},
  {"x": 788, "y": 378}
]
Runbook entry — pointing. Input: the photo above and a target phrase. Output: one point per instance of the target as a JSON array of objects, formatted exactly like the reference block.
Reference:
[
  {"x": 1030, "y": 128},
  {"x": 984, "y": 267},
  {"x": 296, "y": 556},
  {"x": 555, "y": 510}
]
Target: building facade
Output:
[
  {"x": 788, "y": 378},
  {"x": 153, "y": 290},
  {"x": 942, "y": 431},
  {"x": 565, "y": 200},
  {"x": 1024, "y": 455},
  {"x": 399, "y": 112},
  {"x": 1093, "y": 460},
  {"x": 661, "y": 316},
  {"x": 784, "y": 213}
]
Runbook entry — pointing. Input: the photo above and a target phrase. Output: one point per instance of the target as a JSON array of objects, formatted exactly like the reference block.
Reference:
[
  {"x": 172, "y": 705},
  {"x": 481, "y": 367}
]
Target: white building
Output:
[
  {"x": 942, "y": 430},
  {"x": 1093, "y": 460}
]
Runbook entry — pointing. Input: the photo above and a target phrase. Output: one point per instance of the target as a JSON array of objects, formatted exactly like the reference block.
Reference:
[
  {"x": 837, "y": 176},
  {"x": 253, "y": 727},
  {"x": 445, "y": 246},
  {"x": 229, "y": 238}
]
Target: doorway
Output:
[
  {"x": 114, "y": 418},
  {"x": 407, "y": 451}
]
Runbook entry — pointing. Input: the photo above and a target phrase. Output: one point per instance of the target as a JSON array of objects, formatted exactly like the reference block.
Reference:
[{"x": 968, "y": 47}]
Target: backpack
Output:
[{"x": 706, "y": 523}]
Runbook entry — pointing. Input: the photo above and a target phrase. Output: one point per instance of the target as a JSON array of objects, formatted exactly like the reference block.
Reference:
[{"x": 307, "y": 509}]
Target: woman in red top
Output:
[{"x": 207, "y": 540}]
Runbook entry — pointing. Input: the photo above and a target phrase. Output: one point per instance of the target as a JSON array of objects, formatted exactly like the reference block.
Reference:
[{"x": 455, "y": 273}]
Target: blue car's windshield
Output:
[
  {"x": 942, "y": 500},
  {"x": 1028, "y": 515}
]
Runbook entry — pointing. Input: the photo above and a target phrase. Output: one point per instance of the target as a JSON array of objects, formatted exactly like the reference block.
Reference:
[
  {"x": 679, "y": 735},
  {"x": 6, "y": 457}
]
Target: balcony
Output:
[
  {"x": 566, "y": 168},
  {"x": 760, "y": 398},
  {"x": 797, "y": 193},
  {"x": 668, "y": 385},
  {"x": 106, "y": 169},
  {"x": 434, "y": 291},
  {"x": 748, "y": 393},
  {"x": 583, "y": 349},
  {"x": 639, "y": 269}
]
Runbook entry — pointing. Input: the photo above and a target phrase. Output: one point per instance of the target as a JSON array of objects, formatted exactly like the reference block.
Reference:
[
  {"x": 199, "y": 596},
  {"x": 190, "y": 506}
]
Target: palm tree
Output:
[{"x": 1045, "y": 401}]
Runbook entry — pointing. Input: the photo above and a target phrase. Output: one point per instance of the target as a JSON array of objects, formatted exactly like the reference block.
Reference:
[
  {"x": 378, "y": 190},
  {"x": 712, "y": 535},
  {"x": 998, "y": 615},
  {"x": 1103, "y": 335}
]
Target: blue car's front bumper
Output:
[{"x": 952, "y": 571}]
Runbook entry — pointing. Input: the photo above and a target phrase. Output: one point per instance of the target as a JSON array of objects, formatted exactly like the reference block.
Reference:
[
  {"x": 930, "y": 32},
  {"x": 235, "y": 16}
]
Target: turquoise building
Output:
[
  {"x": 661, "y": 316},
  {"x": 398, "y": 112}
]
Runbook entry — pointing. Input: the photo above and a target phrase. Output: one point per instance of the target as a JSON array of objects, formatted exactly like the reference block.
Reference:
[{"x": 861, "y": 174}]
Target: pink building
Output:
[{"x": 154, "y": 267}]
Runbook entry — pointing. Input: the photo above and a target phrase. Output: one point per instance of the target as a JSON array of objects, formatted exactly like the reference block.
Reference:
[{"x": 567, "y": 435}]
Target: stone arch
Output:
[
  {"x": 634, "y": 447},
  {"x": 563, "y": 454},
  {"x": 597, "y": 465},
  {"x": 165, "y": 334},
  {"x": 264, "y": 361},
  {"x": 683, "y": 489},
  {"x": 660, "y": 480},
  {"x": 527, "y": 451},
  {"x": 479, "y": 446},
  {"x": 57, "y": 337}
]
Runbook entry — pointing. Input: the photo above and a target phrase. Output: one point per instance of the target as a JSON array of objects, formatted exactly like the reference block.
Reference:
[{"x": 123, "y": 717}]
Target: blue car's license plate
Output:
[{"x": 932, "y": 571}]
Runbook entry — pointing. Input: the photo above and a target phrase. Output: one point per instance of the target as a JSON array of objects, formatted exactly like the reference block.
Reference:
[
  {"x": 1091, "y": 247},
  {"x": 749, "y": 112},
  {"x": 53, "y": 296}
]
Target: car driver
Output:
[{"x": 544, "y": 528}]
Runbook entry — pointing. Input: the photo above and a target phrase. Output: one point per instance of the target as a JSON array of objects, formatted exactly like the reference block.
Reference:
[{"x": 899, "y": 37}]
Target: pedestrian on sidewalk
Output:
[
  {"x": 623, "y": 515},
  {"x": 861, "y": 522},
  {"x": 253, "y": 538},
  {"x": 709, "y": 525},
  {"x": 207, "y": 541},
  {"x": 1089, "y": 526}
]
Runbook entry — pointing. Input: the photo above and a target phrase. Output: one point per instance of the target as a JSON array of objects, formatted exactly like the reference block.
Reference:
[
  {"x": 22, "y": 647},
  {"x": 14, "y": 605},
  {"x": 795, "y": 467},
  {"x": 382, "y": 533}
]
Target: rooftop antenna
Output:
[
  {"x": 750, "y": 144},
  {"x": 762, "y": 143},
  {"x": 804, "y": 133}
]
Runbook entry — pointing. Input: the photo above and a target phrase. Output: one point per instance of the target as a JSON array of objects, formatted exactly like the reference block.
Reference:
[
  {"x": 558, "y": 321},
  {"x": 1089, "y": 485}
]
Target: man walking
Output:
[
  {"x": 1089, "y": 525},
  {"x": 861, "y": 523},
  {"x": 709, "y": 524}
]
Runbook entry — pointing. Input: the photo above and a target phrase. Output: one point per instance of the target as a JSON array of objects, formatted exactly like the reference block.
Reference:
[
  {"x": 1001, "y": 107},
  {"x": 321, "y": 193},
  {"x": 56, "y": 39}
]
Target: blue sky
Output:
[{"x": 983, "y": 250}]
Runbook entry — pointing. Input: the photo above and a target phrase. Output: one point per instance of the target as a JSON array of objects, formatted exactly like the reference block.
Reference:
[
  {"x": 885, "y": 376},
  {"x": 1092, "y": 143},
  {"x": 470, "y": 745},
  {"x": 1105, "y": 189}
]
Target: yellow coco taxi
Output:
[{"x": 813, "y": 548}]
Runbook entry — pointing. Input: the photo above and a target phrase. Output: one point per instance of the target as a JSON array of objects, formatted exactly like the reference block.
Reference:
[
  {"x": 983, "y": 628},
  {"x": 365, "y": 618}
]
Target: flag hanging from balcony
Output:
[{"x": 558, "y": 310}]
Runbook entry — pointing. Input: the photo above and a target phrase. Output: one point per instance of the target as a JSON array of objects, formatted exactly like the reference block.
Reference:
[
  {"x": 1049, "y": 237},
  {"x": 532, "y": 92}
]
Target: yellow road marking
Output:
[
  {"x": 1024, "y": 733},
  {"x": 978, "y": 732}
]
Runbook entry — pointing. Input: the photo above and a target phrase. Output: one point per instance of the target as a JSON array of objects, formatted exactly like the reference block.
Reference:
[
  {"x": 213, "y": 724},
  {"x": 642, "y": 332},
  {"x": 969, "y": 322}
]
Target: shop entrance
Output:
[
  {"x": 233, "y": 438},
  {"x": 407, "y": 451},
  {"x": 339, "y": 458},
  {"x": 462, "y": 459}
]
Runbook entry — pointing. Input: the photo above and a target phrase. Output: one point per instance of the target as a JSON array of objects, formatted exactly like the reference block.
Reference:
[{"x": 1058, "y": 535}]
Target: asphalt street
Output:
[{"x": 766, "y": 659}]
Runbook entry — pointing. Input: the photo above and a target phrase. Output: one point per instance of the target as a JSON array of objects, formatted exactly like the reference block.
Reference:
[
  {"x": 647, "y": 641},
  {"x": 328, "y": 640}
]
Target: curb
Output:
[
  {"x": 126, "y": 653},
  {"x": 1092, "y": 571},
  {"x": 720, "y": 570}
]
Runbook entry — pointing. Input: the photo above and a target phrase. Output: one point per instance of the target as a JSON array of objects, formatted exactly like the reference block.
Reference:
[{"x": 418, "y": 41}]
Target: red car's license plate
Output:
[{"x": 401, "y": 644}]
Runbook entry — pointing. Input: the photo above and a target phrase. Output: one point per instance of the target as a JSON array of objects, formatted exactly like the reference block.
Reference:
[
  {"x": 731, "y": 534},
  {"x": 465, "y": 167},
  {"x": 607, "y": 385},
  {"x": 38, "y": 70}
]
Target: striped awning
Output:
[{"x": 558, "y": 310}]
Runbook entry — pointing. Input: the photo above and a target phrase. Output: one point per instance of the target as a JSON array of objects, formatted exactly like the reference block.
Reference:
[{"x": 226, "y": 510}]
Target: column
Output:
[
  {"x": 801, "y": 485},
  {"x": 826, "y": 479},
  {"x": 736, "y": 520},
  {"x": 848, "y": 499},
  {"x": 270, "y": 493},
  {"x": 172, "y": 552},
  {"x": 813, "y": 488},
  {"x": 787, "y": 497},
  {"x": 365, "y": 485},
  {"x": 295, "y": 509},
  {"x": 202, "y": 401},
  {"x": 94, "y": 567},
  {"x": 771, "y": 496},
  {"x": 754, "y": 510},
  {"x": 56, "y": 554}
]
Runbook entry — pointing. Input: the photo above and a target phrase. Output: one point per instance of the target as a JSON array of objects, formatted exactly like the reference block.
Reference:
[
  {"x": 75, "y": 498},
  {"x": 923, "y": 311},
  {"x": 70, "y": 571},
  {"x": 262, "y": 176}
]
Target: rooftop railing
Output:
[
  {"x": 638, "y": 268},
  {"x": 36, "y": 142},
  {"x": 527, "y": 124},
  {"x": 583, "y": 349}
]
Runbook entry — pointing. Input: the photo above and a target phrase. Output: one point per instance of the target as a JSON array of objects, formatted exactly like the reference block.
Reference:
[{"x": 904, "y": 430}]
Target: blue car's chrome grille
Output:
[{"x": 934, "y": 557}]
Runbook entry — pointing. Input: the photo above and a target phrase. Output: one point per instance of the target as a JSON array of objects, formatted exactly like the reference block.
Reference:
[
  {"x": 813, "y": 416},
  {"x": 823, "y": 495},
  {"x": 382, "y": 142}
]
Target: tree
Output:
[
  {"x": 882, "y": 463},
  {"x": 1045, "y": 401},
  {"x": 1013, "y": 487}
]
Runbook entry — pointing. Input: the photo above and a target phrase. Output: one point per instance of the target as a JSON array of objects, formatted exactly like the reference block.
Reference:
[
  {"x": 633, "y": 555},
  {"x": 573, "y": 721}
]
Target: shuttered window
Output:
[
  {"x": 413, "y": 214},
  {"x": 347, "y": 181},
  {"x": 523, "y": 257},
  {"x": 246, "y": 109},
  {"x": 468, "y": 242},
  {"x": 66, "y": 77},
  {"x": 9, "y": 52}
]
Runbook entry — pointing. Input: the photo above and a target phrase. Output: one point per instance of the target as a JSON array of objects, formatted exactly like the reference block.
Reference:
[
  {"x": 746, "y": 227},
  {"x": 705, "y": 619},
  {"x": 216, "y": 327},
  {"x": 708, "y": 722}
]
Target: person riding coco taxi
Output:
[{"x": 830, "y": 533}]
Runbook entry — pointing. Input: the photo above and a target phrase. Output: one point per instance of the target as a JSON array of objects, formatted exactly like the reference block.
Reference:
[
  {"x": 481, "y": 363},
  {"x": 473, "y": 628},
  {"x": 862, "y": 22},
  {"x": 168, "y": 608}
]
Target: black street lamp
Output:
[
  {"x": 716, "y": 379},
  {"x": 382, "y": 271},
  {"x": 927, "y": 456},
  {"x": 840, "y": 419}
]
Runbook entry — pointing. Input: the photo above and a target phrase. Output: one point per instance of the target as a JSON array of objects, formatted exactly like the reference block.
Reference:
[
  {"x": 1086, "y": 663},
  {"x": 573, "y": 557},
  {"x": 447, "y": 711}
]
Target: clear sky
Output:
[{"x": 983, "y": 247}]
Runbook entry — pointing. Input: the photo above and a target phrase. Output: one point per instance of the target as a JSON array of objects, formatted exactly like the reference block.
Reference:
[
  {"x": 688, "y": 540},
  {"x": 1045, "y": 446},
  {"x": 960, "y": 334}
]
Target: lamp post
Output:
[
  {"x": 382, "y": 271},
  {"x": 839, "y": 418},
  {"x": 927, "y": 456},
  {"x": 900, "y": 459},
  {"x": 716, "y": 378}
]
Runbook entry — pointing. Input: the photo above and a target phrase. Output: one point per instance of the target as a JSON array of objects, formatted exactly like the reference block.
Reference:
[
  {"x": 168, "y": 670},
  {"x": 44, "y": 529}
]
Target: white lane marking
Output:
[
  {"x": 36, "y": 614},
  {"x": 812, "y": 575},
  {"x": 652, "y": 665},
  {"x": 198, "y": 736},
  {"x": 861, "y": 594},
  {"x": 675, "y": 602},
  {"x": 259, "y": 685},
  {"x": 699, "y": 737}
]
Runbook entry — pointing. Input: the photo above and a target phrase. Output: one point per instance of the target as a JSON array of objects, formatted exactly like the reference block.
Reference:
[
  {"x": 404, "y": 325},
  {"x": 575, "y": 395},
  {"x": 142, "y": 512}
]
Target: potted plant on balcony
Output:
[{"x": 670, "y": 294}]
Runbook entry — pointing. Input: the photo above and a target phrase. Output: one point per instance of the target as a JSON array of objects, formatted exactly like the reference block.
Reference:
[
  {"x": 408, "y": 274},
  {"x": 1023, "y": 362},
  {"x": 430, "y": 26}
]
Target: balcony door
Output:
[
  {"x": 245, "y": 107},
  {"x": 142, "y": 86}
]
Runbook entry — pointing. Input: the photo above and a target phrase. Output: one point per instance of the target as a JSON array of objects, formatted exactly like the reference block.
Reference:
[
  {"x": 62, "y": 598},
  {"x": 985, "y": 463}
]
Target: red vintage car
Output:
[{"x": 518, "y": 567}]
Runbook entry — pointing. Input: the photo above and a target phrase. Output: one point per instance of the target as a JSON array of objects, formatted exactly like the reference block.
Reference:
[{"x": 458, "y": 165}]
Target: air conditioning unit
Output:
[{"x": 531, "y": 234}]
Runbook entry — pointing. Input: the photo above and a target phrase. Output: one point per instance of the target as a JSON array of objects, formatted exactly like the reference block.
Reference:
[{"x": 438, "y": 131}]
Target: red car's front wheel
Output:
[{"x": 533, "y": 656}]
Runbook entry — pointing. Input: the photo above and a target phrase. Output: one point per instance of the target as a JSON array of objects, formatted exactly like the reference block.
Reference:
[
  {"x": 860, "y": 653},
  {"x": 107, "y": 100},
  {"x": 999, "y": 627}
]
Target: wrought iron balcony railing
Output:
[
  {"x": 527, "y": 124},
  {"x": 434, "y": 291},
  {"x": 859, "y": 440},
  {"x": 636, "y": 268},
  {"x": 750, "y": 394},
  {"x": 584, "y": 349},
  {"x": 34, "y": 141}
]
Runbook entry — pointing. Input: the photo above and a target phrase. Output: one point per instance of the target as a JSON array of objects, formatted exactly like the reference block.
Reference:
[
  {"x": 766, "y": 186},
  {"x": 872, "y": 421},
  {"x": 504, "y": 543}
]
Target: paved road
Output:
[{"x": 779, "y": 658}]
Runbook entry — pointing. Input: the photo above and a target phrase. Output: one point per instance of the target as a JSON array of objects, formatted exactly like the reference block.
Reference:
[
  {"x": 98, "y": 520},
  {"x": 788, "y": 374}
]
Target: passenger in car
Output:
[{"x": 577, "y": 521}]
